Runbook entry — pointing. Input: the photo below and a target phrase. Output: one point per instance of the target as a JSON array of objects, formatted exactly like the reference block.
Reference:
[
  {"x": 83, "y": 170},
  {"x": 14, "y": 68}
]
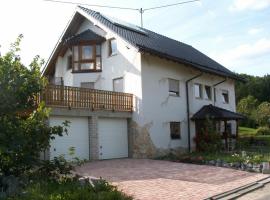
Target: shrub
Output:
[
  {"x": 263, "y": 131},
  {"x": 70, "y": 189}
]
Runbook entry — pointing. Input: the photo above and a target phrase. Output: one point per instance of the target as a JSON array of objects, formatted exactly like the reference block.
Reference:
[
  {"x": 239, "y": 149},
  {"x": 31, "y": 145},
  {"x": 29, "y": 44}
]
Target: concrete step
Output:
[{"x": 237, "y": 192}]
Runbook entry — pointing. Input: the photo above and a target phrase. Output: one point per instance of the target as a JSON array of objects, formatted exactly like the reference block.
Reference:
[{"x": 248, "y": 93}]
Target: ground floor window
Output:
[{"x": 175, "y": 130}]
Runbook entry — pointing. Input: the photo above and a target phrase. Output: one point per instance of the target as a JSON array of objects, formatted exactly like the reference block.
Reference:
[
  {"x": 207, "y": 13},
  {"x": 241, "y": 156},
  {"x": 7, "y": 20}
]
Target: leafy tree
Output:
[
  {"x": 263, "y": 114},
  {"x": 247, "y": 106},
  {"x": 24, "y": 131},
  {"x": 259, "y": 87}
]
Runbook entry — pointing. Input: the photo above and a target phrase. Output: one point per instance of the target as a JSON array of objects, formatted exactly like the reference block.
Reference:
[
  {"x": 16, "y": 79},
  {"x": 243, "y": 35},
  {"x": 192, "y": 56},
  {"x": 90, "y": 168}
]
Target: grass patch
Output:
[{"x": 247, "y": 132}]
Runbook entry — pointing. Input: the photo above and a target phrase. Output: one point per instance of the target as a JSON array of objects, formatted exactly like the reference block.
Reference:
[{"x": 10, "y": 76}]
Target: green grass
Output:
[{"x": 246, "y": 132}]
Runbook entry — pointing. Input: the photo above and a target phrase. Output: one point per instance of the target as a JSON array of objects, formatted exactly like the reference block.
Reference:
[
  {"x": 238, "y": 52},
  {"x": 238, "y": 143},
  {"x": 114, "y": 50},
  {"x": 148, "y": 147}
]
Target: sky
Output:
[{"x": 235, "y": 33}]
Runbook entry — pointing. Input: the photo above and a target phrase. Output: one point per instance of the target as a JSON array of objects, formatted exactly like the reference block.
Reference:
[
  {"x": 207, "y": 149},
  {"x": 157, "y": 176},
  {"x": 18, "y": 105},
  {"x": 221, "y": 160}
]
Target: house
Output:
[{"x": 128, "y": 91}]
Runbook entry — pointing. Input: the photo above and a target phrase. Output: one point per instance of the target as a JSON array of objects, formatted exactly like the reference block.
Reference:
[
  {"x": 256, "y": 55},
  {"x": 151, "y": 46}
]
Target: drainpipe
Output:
[
  {"x": 215, "y": 89},
  {"x": 187, "y": 99}
]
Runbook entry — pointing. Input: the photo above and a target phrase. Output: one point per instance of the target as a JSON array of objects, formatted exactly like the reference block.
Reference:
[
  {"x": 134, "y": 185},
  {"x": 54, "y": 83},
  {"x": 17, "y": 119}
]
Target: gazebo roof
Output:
[{"x": 214, "y": 112}]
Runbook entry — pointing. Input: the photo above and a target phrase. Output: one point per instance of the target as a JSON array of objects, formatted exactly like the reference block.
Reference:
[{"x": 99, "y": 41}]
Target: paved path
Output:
[{"x": 153, "y": 179}]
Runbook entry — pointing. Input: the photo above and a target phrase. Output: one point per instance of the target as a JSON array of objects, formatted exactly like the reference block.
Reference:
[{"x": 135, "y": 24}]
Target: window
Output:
[
  {"x": 225, "y": 96},
  {"x": 86, "y": 58},
  {"x": 215, "y": 94},
  {"x": 69, "y": 62},
  {"x": 89, "y": 85},
  {"x": 175, "y": 130},
  {"x": 118, "y": 85},
  {"x": 112, "y": 47},
  {"x": 208, "y": 92},
  {"x": 174, "y": 87},
  {"x": 198, "y": 90}
]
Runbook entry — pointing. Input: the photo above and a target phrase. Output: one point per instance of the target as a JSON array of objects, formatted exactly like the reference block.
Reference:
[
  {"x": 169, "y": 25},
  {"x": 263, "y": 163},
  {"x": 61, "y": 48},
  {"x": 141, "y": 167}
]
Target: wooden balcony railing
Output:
[{"x": 75, "y": 97}]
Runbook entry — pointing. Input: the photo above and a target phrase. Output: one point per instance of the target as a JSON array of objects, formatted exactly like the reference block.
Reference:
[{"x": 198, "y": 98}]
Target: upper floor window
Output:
[
  {"x": 198, "y": 90},
  {"x": 69, "y": 62},
  {"x": 112, "y": 47},
  {"x": 174, "y": 87},
  {"x": 208, "y": 92},
  {"x": 86, "y": 58},
  {"x": 225, "y": 96}
]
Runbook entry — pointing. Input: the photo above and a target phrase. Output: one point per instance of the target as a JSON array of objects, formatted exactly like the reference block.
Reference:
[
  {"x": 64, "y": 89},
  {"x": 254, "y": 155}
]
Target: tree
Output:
[
  {"x": 263, "y": 114},
  {"x": 247, "y": 106},
  {"x": 24, "y": 131}
]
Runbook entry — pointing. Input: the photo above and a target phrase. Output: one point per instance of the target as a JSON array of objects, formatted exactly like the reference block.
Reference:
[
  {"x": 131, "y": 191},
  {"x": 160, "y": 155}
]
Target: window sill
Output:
[
  {"x": 112, "y": 55},
  {"x": 174, "y": 95},
  {"x": 85, "y": 71}
]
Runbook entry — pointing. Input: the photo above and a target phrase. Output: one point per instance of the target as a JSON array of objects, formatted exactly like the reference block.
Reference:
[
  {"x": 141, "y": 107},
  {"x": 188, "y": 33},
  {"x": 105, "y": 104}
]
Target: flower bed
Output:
[{"x": 252, "y": 162}]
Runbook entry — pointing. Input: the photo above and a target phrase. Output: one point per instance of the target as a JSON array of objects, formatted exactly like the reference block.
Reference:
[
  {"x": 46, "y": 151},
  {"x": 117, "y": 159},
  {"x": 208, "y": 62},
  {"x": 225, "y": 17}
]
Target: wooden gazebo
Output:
[{"x": 218, "y": 116}]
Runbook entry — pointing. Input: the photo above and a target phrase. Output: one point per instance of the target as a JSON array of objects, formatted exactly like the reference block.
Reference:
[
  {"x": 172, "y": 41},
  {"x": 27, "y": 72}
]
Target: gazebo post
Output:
[
  {"x": 237, "y": 128},
  {"x": 225, "y": 135}
]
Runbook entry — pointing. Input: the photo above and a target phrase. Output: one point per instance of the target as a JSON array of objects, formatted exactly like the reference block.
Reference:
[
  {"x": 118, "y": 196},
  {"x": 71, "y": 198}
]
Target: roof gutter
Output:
[{"x": 188, "y": 109}]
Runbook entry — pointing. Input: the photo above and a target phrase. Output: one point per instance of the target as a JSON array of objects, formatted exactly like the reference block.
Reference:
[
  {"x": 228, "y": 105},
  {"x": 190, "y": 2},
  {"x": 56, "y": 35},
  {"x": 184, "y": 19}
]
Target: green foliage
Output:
[
  {"x": 259, "y": 87},
  {"x": 208, "y": 139},
  {"x": 263, "y": 131},
  {"x": 24, "y": 132},
  {"x": 70, "y": 189},
  {"x": 263, "y": 114},
  {"x": 247, "y": 106}
]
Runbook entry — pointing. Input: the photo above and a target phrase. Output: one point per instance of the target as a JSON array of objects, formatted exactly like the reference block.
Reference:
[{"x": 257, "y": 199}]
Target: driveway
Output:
[{"x": 146, "y": 179}]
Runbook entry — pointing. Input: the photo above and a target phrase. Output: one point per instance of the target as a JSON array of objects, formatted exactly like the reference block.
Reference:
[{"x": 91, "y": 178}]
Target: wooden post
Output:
[
  {"x": 237, "y": 127},
  {"x": 226, "y": 134}
]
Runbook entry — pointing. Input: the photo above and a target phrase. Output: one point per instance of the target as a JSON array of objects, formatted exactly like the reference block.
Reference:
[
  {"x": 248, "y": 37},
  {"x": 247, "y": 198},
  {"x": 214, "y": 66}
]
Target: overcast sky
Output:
[{"x": 236, "y": 33}]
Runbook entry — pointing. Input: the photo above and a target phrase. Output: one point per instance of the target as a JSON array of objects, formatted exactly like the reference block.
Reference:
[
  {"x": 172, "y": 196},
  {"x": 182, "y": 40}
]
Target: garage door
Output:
[
  {"x": 113, "y": 140},
  {"x": 77, "y": 137}
]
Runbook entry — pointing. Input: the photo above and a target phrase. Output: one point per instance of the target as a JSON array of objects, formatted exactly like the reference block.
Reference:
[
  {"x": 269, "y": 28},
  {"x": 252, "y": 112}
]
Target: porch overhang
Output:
[{"x": 216, "y": 113}]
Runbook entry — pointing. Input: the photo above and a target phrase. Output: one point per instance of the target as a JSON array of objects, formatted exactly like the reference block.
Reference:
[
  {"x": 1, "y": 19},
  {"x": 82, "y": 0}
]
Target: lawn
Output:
[{"x": 247, "y": 132}]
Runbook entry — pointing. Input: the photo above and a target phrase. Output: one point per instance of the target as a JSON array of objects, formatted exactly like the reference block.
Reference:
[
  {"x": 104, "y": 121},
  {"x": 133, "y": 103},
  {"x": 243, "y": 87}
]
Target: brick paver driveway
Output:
[{"x": 153, "y": 179}]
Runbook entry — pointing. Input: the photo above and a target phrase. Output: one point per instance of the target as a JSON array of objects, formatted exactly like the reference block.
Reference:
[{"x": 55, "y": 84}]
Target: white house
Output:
[{"x": 129, "y": 92}]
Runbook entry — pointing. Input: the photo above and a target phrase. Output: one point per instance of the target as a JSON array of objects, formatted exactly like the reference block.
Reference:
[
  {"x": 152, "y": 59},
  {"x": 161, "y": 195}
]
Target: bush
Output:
[
  {"x": 263, "y": 131},
  {"x": 70, "y": 189}
]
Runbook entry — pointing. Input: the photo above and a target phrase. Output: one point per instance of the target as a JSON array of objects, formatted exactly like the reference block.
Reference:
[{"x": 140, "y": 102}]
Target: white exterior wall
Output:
[
  {"x": 146, "y": 77},
  {"x": 159, "y": 108},
  {"x": 126, "y": 63}
]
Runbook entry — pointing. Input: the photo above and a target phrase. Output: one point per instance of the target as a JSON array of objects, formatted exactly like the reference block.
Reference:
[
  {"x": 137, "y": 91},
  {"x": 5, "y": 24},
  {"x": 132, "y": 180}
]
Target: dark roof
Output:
[
  {"x": 87, "y": 35},
  {"x": 213, "y": 112},
  {"x": 164, "y": 47}
]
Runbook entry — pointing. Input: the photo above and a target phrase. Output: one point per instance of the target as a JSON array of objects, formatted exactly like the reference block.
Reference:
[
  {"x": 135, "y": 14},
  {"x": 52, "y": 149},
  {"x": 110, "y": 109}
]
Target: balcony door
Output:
[{"x": 118, "y": 84}]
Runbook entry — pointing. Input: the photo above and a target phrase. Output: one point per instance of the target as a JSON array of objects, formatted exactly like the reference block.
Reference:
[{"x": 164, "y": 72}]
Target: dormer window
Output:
[{"x": 86, "y": 58}]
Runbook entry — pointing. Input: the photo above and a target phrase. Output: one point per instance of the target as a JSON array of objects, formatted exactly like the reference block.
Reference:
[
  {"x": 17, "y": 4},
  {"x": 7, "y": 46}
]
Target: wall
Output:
[{"x": 159, "y": 108}]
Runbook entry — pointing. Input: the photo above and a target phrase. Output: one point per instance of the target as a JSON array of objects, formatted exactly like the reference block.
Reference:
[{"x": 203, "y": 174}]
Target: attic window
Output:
[
  {"x": 86, "y": 58},
  {"x": 112, "y": 47}
]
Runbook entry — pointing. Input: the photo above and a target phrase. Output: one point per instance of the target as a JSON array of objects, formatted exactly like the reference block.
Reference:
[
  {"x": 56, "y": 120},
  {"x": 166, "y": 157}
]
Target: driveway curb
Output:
[{"x": 240, "y": 191}]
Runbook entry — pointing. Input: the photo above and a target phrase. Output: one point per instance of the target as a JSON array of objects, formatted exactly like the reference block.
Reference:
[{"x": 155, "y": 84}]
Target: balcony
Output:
[{"x": 83, "y": 98}]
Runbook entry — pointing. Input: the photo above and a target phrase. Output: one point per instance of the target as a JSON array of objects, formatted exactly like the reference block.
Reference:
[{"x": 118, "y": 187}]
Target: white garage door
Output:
[
  {"x": 113, "y": 140},
  {"x": 77, "y": 137}
]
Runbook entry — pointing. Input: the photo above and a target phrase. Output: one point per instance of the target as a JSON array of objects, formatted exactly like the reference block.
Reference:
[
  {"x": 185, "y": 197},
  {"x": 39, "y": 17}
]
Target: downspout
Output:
[
  {"x": 188, "y": 112},
  {"x": 214, "y": 86}
]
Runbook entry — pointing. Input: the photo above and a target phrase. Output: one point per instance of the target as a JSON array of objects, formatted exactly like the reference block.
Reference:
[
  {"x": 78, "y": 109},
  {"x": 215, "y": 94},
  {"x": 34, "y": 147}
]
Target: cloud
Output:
[
  {"x": 254, "y": 31},
  {"x": 244, "y": 53},
  {"x": 240, "y": 5}
]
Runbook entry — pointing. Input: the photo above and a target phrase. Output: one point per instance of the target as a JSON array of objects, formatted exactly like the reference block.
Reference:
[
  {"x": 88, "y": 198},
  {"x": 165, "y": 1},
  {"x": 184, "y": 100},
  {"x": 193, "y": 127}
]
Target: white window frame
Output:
[
  {"x": 211, "y": 93},
  {"x": 200, "y": 90},
  {"x": 171, "y": 92},
  {"x": 223, "y": 99}
]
